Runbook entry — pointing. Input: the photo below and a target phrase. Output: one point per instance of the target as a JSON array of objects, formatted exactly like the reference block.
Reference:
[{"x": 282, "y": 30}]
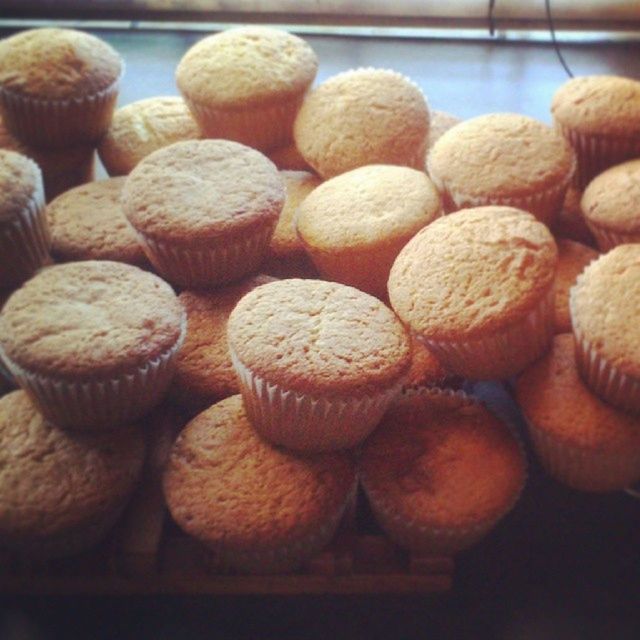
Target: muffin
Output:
[
  {"x": 24, "y": 233},
  {"x": 477, "y": 288},
  {"x": 604, "y": 308},
  {"x": 318, "y": 362},
  {"x": 58, "y": 87},
  {"x": 570, "y": 223},
  {"x": 502, "y": 159},
  {"x": 204, "y": 210},
  {"x": 354, "y": 225},
  {"x": 440, "y": 123},
  {"x": 87, "y": 223},
  {"x": 611, "y": 205},
  {"x": 204, "y": 373},
  {"x": 93, "y": 342},
  {"x": 61, "y": 492},
  {"x": 440, "y": 471},
  {"x": 573, "y": 258},
  {"x": 425, "y": 369},
  {"x": 361, "y": 117},
  {"x": 600, "y": 117},
  {"x": 289, "y": 159},
  {"x": 582, "y": 441},
  {"x": 142, "y": 127},
  {"x": 260, "y": 509},
  {"x": 246, "y": 84}
]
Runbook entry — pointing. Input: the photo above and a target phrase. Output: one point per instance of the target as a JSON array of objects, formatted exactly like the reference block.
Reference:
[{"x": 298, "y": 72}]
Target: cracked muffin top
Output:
[{"x": 20, "y": 183}]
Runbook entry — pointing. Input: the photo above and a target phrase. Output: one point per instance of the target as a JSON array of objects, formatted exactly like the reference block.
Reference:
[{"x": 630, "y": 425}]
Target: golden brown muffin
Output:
[
  {"x": 318, "y": 362},
  {"x": 611, "y": 205},
  {"x": 441, "y": 122},
  {"x": 425, "y": 369},
  {"x": 477, "y": 287},
  {"x": 61, "y": 492},
  {"x": 142, "y": 127},
  {"x": 582, "y": 441},
  {"x": 93, "y": 342},
  {"x": 24, "y": 233},
  {"x": 289, "y": 159},
  {"x": 204, "y": 373},
  {"x": 58, "y": 87},
  {"x": 604, "y": 312},
  {"x": 361, "y": 117},
  {"x": 246, "y": 84},
  {"x": 440, "y": 471},
  {"x": 573, "y": 257},
  {"x": 570, "y": 223},
  {"x": 204, "y": 210},
  {"x": 259, "y": 508},
  {"x": 354, "y": 225},
  {"x": 503, "y": 159},
  {"x": 87, "y": 223}
]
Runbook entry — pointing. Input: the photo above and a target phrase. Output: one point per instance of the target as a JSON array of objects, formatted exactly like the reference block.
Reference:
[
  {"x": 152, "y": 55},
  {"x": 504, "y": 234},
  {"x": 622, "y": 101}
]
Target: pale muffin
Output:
[
  {"x": 440, "y": 123},
  {"x": 289, "y": 159},
  {"x": 570, "y": 223}
]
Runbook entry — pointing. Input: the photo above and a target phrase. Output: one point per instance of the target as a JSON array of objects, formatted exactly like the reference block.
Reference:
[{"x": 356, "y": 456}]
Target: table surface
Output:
[{"x": 561, "y": 565}]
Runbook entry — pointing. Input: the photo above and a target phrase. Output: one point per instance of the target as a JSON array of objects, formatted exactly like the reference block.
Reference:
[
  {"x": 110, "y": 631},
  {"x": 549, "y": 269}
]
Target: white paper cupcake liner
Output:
[
  {"x": 309, "y": 423},
  {"x": 503, "y": 353},
  {"x": 222, "y": 260},
  {"x": 607, "y": 239}
]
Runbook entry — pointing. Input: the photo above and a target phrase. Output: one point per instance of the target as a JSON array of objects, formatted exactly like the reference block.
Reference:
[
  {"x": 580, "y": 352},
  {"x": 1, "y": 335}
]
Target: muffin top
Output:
[
  {"x": 599, "y": 105},
  {"x": 197, "y": 190},
  {"x": 226, "y": 485},
  {"x": 554, "y": 399},
  {"x": 90, "y": 319},
  {"x": 441, "y": 122},
  {"x": 569, "y": 223},
  {"x": 368, "y": 206},
  {"x": 612, "y": 199},
  {"x": 319, "y": 337},
  {"x": 441, "y": 458},
  {"x": 142, "y": 127},
  {"x": 20, "y": 184},
  {"x": 246, "y": 67},
  {"x": 52, "y": 480},
  {"x": 360, "y": 117},
  {"x": 501, "y": 155},
  {"x": 472, "y": 272},
  {"x": 289, "y": 159},
  {"x": 425, "y": 369},
  {"x": 55, "y": 64},
  {"x": 87, "y": 223},
  {"x": 604, "y": 307}
]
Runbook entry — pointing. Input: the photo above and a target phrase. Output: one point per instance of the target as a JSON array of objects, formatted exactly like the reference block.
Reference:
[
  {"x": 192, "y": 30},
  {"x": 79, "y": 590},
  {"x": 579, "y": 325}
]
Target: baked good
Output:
[
  {"x": 570, "y": 223},
  {"x": 425, "y": 369},
  {"x": 477, "y": 288},
  {"x": 58, "y": 87},
  {"x": 318, "y": 362},
  {"x": 502, "y": 159},
  {"x": 204, "y": 210},
  {"x": 61, "y": 492},
  {"x": 246, "y": 84},
  {"x": 289, "y": 158},
  {"x": 259, "y": 508},
  {"x": 440, "y": 123},
  {"x": 360, "y": 117},
  {"x": 142, "y": 127},
  {"x": 93, "y": 342},
  {"x": 440, "y": 471},
  {"x": 87, "y": 223}
]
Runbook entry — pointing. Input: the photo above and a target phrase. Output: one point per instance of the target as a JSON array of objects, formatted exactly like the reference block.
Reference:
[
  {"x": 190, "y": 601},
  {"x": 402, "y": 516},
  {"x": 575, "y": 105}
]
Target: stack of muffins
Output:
[{"x": 411, "y": 249}]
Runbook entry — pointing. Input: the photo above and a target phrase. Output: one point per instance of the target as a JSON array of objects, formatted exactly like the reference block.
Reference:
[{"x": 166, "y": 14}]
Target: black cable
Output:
[
  {"x": 552, "y": 31},
  {"x": 492, "y": 24}
]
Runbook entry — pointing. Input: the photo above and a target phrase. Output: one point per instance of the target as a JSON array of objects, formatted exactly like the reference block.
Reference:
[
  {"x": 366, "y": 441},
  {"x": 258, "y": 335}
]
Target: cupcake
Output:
[
  {"x": 354, "y": 225},
  {"x": 318, "y": 362},
  {"x": 204, "y": 373},
  {"x": 260, "y": 509},
  {"x": 573, "y": 258},
  {"x": 142, "y": 127},
  {"x": 570, "y": 223},
  {"x": 247, "y": 84},
  {"x": 502, "y": 159},
  {"x": 582, "y": 441},
  {"x": 93, "y": 342},
  {"x": 440, "y": 123},
  {"x": 289, "y": 158},
  {"x": 611, "y": 205},
  {"x": 58, "y": 87},
  {"x": 477, "y": 288},
  {"x": 204, "y": 210},
  {"x": 87, "y": 223},
  {"x": 425, "y": 369},
  {"x": 61, "y": 492},
  {"x": 440, "y": 471},
  {"x": 604, "y": 307},
  {"x": 600, "y": 117},
  {"x": 24, "y": 233},
  {"x": 360, "y": 117}
]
